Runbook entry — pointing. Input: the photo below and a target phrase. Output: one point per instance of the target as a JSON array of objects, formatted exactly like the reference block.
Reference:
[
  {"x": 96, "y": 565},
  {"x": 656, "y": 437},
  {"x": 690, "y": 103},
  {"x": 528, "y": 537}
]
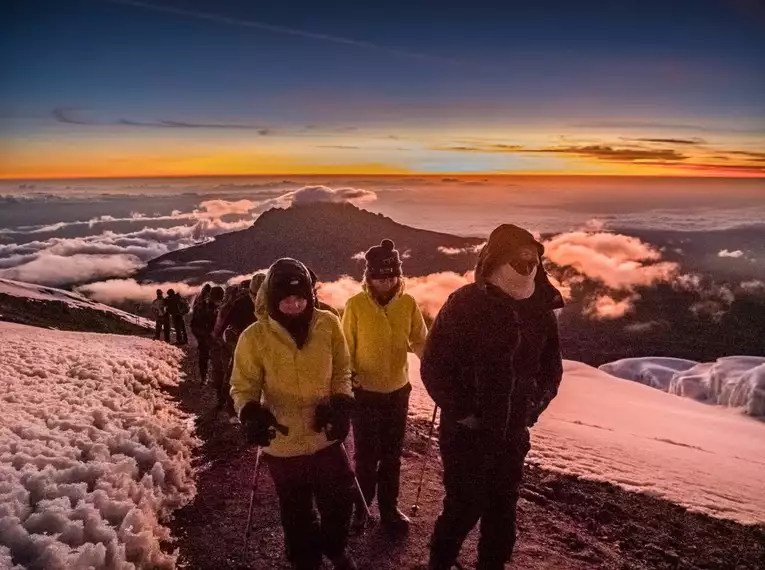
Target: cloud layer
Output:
[
  {"x": 67, "y": 260},
  {"x": 50, "y": 269},
  {"x": 618, "y": 261},
  {"x": 734, "y": 254}
]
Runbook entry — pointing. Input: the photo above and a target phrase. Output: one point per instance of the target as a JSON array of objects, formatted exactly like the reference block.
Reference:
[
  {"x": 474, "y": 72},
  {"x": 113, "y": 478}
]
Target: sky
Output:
[{"x": 124, "y": 88}]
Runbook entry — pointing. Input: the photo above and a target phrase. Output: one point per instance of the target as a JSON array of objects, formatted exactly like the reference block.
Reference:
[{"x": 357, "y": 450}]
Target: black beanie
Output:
[
  {"x": 382, "y": 261},
  {"x": 503, "y": 242},
  {"x": 288, "y": 277}
]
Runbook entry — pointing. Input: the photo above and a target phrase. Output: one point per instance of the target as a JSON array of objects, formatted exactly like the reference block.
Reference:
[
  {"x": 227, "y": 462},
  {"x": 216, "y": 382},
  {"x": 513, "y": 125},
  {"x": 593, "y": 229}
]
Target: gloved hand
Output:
[
  {"x": 470, "y": 422},
  {"x": 334, "y": 416},
  {"x": 535, "y": 408},
  {"x": 259, "y": 424}
]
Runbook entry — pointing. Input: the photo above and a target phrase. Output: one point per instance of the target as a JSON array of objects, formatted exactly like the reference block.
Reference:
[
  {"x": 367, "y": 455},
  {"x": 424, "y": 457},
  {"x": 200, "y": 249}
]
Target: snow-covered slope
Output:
[
  {"x": 93, "y": 456},
  {"x": 42, "y": 293},
  {"x": 706, "y": 458},
  {"x": 734, "y": 381}
]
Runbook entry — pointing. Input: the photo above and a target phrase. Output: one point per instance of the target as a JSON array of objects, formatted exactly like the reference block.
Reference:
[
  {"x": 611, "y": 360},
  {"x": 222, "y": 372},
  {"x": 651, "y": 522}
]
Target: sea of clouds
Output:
[{"x": 131, "y": 223}]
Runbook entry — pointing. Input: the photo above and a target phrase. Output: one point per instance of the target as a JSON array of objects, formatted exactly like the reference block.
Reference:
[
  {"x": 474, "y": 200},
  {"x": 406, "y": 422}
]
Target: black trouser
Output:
[
  {"x": 323, "y": 477},
  {"x": 162, "y": 325},
  {"x": 180, "y": 329},
  {"x": 203, "y": 347},
  {"x": 222, "y": 367},
  {"x": 379, "y": 426},
  {"x": 482, "y": 483}
]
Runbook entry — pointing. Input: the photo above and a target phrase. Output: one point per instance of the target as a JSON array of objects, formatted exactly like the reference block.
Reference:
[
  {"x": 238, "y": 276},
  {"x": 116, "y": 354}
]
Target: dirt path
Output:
[{"x": 565, "y": 523}]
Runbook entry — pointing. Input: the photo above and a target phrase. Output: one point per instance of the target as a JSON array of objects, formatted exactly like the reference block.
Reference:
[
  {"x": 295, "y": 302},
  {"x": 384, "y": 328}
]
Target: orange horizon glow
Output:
[
  {"x": 393, "y": 174},
  {"x": 138, "y": 158}
]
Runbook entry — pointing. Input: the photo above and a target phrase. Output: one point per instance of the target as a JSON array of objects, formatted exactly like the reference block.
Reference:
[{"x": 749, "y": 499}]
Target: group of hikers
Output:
[
  {"x": 170, "y": 310},
  {"x": 300, "y": 377}
]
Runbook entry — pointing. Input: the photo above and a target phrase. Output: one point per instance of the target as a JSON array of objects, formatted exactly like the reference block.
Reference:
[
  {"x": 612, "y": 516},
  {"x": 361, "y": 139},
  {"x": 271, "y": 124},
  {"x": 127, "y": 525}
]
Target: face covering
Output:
[{"x": 513, "y": 283}]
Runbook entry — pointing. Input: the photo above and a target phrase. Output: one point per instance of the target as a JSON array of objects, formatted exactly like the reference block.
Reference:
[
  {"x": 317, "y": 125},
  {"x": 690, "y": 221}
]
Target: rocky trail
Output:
[{"x": 565, "y": 523}]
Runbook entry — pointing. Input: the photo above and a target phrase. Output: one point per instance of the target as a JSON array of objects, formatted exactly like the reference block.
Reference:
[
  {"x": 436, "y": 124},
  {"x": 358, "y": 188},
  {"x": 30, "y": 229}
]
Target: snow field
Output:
[
  {"x": 93, "y": 455},
  {"x": 706, "y": 458}
]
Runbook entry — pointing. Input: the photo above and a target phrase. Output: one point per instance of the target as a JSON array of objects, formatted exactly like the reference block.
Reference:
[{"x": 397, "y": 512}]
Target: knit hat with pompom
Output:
[{"x": 382, "y": 261}]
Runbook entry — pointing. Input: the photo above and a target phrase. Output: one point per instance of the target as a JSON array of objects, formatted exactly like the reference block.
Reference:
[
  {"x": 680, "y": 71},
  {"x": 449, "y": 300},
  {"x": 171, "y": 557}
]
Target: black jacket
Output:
[
  {"x": 495, "y": 357},
  {"x": 173, "y": 304},
  {"x": 241, "y": 315},
  {"x": 203, "y": 317}
]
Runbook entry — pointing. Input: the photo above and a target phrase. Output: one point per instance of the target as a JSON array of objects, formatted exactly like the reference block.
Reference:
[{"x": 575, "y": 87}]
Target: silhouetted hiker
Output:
[
  {"x": 291, "y": 368},
  {"x": 229, "y": 297},
  {"x": 240, "y": 315},
  {"x": 177, "y": 308},
  {"x": 203, "y": 295},
  {"x": 202, "y": 323},
  {"x": 382, "y": 324},
  {"x": 161, "y": 317},
  {"x": 492, "y": 364},
  {"x": 320, "y": 304}
]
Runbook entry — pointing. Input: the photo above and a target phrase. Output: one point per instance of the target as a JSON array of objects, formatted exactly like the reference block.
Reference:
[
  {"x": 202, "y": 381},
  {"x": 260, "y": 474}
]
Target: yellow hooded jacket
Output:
[
  {"x": 379, "y": 339},
  {"x": 269, "y": 367}
]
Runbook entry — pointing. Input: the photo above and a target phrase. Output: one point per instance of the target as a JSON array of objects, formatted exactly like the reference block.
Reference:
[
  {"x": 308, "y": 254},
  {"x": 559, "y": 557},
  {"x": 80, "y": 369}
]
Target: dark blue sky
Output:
[{"x": 392, "y": 65}]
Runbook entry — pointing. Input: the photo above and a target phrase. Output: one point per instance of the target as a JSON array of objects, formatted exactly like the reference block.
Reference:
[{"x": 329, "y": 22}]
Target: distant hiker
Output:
[
  {"x": 177, "y": 307},
  {"x": 492, "y": 364},
  {"x": 161, "y": 317},
  {"x": 291, "y": 368},
  {"x": 229, "y": 297},
  {"x": 203, "y": 318},
  {"x": 239, "y": 315},
  {"x": 382, "y": 324},
  {"x": 320, "y": 304},
  {"x": 203, "y": 295}
]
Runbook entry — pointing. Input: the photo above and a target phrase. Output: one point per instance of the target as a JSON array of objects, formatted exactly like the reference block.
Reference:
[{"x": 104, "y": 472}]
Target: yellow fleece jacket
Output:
[
  {"x": 291, "y": 382},
  {"x": 379, "y": 339}
]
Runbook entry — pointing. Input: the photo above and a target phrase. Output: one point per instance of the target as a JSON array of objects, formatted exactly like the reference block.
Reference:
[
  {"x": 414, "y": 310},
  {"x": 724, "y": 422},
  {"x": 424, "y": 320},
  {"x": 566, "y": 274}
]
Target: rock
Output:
[{"x": 534, "y": 497}]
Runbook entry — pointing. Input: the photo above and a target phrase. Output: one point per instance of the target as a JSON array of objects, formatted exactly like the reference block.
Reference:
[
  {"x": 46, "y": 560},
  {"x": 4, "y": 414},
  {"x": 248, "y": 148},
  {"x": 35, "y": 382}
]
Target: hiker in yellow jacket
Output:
[
  {"x": 382, "y": 324},
  {"x": 291, "y": 371}
]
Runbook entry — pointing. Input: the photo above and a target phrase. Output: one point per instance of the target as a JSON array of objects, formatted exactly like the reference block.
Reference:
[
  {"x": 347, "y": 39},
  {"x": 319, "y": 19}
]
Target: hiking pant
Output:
[
  {"x": 180, "y": 329},
  {"x": 481, "y": 483},
  {"x": 162, "y": 325},
  {"x": 223, "y": 364},
  {"x": 203, "y": 348},
  {"x": 379, "y": 426},
  {"x": 325, "y": 478},
  {"x": 219, "y": 371}
]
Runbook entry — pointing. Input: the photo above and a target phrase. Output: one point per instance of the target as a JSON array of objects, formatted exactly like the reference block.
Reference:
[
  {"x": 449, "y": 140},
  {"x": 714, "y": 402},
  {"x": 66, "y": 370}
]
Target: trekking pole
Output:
[
  {"x": 355, "y": 480},
  {"x": 253, "y": 489},
  {"x": 284, "y": 430},
  {"x": 416, "y": 505}
]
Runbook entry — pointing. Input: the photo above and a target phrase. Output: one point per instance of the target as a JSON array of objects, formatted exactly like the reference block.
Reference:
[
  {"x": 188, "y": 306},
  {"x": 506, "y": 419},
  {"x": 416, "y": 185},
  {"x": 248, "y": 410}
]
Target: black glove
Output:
[
  {"x": 259, "y": 424},
  {"x": 535, "y": 408},
  {"x": 334, "y": 416}
]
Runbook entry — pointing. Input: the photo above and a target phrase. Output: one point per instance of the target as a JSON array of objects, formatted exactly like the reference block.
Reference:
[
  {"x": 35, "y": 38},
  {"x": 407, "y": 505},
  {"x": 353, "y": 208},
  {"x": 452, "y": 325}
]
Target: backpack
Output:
[
  {"x": 183, "y": 306},
  {"x": 203, "y": 318}
]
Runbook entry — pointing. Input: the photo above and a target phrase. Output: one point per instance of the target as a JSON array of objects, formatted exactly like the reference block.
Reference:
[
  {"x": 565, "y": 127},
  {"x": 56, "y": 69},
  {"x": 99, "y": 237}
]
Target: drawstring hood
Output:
[{"x": 285, "y": 278}]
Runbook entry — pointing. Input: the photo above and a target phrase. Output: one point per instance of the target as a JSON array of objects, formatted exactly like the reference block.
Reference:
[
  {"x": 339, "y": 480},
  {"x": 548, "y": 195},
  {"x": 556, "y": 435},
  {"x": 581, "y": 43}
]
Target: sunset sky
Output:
[{"x": 112, "y": 88}]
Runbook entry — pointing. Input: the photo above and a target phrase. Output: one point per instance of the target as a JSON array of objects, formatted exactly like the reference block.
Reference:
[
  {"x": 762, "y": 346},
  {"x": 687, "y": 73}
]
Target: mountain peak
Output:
[{"x": 326, "y": 236}]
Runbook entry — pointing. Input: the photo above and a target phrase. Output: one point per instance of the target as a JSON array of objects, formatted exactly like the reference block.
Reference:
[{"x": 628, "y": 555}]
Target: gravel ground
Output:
[{"x": 565, "y": 523}]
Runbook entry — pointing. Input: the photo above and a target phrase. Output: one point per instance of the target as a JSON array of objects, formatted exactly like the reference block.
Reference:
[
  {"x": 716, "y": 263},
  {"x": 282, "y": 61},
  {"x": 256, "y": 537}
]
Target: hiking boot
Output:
[
  {"x": 395, "y": 521},
  {"x": 360, "y": 520},
  {"x": 344, "y": 562}
]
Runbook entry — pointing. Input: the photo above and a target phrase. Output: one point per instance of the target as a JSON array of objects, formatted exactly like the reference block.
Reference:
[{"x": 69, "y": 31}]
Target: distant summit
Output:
[{"x": 326, "y": 236}]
